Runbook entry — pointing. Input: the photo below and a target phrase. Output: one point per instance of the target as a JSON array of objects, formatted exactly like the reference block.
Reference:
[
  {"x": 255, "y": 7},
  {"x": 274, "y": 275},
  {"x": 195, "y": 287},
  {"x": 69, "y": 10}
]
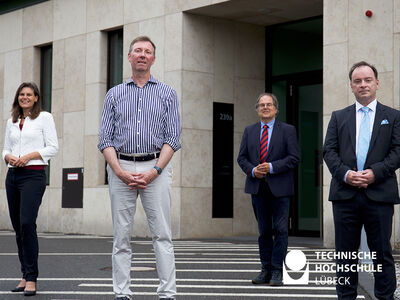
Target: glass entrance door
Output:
[
  {"x": 294, "y": 75},
  {"x": 300, "y": 104},
  {"x": 309, "y": 171}
]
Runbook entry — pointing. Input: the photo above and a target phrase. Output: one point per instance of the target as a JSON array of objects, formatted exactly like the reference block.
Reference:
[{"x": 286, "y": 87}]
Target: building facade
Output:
[{"x": 218, "y": 55}]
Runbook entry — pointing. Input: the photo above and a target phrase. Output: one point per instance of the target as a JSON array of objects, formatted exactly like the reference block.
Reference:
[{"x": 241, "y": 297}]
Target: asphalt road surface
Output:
[{"x": 79, "y": 267}]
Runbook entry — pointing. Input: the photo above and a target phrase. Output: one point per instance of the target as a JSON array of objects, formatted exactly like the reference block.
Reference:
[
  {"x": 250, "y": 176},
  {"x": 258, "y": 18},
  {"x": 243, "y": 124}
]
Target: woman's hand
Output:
[
  {"x": 23, "y": 160},
  {"x": 20, "y": 162},
  {"x": 11, "y": 159}
]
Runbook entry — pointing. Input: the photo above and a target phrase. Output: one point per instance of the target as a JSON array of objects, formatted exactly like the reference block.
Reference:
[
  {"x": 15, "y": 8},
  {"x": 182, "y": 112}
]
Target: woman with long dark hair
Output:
[{"x": 30, "y": 141}]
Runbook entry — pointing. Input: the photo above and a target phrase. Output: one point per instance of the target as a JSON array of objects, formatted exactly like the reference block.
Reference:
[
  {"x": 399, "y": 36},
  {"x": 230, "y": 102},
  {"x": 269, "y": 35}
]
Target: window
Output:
[
  {"x": 114, "y": 64},
  {"x": 46, "y": 57},
  {"x": 115, "y": 56}
]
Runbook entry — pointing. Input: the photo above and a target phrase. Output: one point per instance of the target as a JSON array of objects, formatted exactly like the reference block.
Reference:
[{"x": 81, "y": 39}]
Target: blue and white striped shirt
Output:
[{"x": 140, "y": 120}]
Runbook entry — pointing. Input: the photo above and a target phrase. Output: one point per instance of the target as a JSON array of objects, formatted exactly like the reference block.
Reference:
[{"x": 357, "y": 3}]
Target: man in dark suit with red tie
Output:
[
  {"x": 268, "y": 155},
  {"x": 362, "y": 152}
]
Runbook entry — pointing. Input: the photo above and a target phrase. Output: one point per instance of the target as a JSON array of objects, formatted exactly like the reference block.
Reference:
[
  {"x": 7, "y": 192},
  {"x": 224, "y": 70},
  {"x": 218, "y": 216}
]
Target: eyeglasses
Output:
[{"x": 265, "y": 105}]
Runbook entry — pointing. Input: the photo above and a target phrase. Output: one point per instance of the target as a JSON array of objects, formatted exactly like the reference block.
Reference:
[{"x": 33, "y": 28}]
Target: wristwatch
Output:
[{"x": 159, "y": 170}]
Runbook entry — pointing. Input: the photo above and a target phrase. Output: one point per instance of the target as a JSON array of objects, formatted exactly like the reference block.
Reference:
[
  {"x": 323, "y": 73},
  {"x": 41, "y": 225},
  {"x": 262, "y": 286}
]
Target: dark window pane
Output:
[
  {"x": 114, "y": 64},
  {"x": 115, "y": 56},
  {"x": 45, "y": 76},
  {"x": 46, "y": 57}
]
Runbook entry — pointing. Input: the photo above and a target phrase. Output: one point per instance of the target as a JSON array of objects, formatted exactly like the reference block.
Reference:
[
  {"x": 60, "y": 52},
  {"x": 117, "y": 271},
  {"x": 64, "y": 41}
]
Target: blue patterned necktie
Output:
[{"x": 364, "y": 136}]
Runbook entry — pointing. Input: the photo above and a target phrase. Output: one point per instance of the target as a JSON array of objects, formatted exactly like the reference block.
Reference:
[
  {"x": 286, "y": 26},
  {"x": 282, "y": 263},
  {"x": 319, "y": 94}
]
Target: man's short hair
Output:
[
  {"x": 274, "y": 100},
  {"x": 142, "y": 38},
  {"x": 361, "y": 64}
]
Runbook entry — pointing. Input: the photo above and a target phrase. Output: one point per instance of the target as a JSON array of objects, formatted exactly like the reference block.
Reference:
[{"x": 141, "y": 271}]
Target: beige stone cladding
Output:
[
  {"x": 350, "y": 36},
  {"x": 223, "y": 61},
  {"x": 206, "y": 59}
]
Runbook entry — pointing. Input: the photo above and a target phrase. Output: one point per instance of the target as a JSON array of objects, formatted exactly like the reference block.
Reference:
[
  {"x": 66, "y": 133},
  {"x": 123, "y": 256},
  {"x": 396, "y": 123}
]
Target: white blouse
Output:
[{"x": 38, "y": 135}]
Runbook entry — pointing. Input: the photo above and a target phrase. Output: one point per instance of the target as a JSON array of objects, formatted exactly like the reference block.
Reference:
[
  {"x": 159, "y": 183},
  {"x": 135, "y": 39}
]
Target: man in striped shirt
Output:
[{"x": 139, "y": 133}]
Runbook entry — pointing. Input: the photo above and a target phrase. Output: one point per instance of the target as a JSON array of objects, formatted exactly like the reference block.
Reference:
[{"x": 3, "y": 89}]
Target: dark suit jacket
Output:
[
  {"x": 283, "y": 153},
  {"x": 383, "y": 155}
]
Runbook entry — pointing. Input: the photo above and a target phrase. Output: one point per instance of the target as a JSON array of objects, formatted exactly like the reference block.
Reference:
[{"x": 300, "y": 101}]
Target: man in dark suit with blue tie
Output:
[
  {"x": 268, "y": 155},
  {"x": 362, "y": 152}
]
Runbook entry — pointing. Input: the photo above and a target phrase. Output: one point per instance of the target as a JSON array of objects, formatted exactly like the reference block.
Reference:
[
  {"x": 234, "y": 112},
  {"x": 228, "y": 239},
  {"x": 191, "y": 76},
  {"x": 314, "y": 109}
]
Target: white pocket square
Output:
[{"x": 385, "y": 122}]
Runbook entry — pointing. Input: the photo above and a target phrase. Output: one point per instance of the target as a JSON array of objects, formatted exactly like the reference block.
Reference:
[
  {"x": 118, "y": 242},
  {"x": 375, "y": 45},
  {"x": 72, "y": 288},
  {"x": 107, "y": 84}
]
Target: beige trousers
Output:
[{"x": 156, "y": 201}]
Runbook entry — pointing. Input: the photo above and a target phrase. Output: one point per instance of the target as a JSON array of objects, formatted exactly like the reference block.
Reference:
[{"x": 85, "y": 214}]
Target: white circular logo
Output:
[{"x": 296, "y": 260}]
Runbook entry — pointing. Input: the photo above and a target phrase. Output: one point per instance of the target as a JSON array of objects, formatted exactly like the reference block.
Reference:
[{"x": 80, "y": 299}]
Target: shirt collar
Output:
[
  {"x": 151, "y": 80},
  {"x": 371, "y": 106},
  {"x": 269, "y": 124}
]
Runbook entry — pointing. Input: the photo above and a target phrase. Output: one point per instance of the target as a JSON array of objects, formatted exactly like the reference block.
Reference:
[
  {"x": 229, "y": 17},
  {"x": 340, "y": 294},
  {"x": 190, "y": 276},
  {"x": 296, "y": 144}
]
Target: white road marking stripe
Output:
[
  {"x": 178, "y": 261},
  {"x": 232, "y": 262},
  {"x": 221, "y": 254},
  {"x": 237, "y": 271},
  {"x": 204, "y": 262},
  {"x": 143, "y": 280},
  {"x": 194, "y": 243},
  {"x": 214, "y": 249},
  {"x": 68, "y": 237},
  {"x": 134, "y": 254},
  {"x": 134, "y": 279},
  {"x": 203, "y": 259},
  {"x": 61, "y": 254},
  {"x": 312, "y": 296},
  {"x": 195, "y": 286},
  {"x": 151, "y": 256}
]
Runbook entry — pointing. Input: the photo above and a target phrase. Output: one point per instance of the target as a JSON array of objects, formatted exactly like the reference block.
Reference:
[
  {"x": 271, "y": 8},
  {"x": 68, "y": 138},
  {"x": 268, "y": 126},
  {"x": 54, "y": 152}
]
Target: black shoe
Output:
[
  {"x": 276, "y": 278},
  {"x": 122, "y": 298},
  {"x": 29, "y": 293},
  {"x": 18, "y": 289},
  {"x": 263, "y": 277},
  {"x": 167, "y": 299}
]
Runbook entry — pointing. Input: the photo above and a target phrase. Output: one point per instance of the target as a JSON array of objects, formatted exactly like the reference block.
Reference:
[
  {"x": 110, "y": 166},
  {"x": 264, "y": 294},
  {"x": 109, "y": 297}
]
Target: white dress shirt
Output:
[
  {"x": 38, "y": 135},
  {"x": 360, "y": 114}
]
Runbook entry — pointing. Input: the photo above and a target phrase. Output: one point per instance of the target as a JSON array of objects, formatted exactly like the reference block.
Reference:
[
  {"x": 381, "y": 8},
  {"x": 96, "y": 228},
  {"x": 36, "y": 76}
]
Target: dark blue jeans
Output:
[
  {"x": 25, "y": 189},
  {"x": 272, "y": 215}
]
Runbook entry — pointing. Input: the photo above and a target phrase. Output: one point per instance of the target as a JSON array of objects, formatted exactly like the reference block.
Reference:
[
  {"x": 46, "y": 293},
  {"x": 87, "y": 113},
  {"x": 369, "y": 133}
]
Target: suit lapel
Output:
[
  {"x": 351, "y": 121},
  {"x": 256, "y": 138},
  {"x": 275, "y": 133},
  {"x": 377, "y": 122}
]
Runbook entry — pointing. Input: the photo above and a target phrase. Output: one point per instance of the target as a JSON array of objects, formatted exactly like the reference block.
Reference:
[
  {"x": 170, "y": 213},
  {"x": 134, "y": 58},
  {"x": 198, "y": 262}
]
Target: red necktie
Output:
[{"x": 264, "y": 144}]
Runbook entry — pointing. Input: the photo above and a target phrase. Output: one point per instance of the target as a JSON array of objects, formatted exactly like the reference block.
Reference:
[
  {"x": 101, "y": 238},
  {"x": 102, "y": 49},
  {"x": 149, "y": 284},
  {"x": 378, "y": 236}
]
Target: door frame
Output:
[
  {"x": 293, "y": 81},
  {"x": 292, "y": 116}
]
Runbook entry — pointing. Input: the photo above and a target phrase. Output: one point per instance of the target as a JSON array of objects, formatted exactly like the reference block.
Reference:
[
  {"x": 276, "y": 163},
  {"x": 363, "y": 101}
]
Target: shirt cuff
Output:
[
  {"x": 345, "y": 176},
  {"x": 103, "y": 145},
  {"x": 271, "y": 168},
  {"x": 252, "y": 172},
  {"x": 175, "y": 144}
]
